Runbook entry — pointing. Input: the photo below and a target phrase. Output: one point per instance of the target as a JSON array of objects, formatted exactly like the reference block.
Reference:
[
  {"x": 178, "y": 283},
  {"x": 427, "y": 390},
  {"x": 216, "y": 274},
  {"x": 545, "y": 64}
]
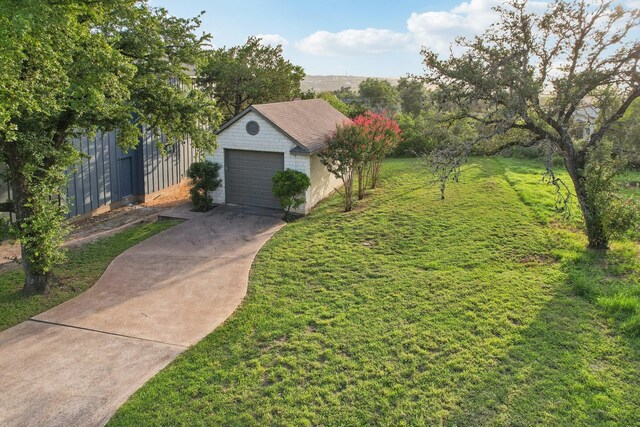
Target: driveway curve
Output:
[{"x": 78, "y": 362}]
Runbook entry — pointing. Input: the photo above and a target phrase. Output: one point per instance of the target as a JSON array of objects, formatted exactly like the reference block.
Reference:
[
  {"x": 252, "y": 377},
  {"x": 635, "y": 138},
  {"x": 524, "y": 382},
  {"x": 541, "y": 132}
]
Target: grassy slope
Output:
[
  {"x": 82, "y": 269},
  {"x": 411, "y": 312},
  {"x": 611, "y": 280}
]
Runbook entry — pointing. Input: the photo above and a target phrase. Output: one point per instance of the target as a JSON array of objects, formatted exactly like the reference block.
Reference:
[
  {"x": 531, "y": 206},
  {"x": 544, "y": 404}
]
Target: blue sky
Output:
[
  {"x": 315, "y": 34},
  {"x": 378, "y": 38}
]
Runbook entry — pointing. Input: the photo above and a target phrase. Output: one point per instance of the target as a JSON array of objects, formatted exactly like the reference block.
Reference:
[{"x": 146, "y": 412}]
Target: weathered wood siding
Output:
[
  {"x": 96, "y": 181},
  {"x": 161, "y": 172},
  {"x": 93, "y": 182},
  {"x": 5, "y": 193}
]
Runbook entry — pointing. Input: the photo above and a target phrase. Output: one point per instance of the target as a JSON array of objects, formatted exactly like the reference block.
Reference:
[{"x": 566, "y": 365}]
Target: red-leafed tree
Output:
[
  {"x": 343, "y": 157},
  {"x": 382, "y": 135},
  {"x": 359, "y": 147}
]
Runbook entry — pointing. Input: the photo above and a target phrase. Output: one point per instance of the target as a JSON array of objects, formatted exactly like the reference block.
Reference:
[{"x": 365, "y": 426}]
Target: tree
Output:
[
  {"x": 70, "y": 68},
  {"x": 204, "y": 178},
  {"x": 250, "y": 74},
  {"x": 346, "y": 151},
  {"x": 336, "y": 103},
  {"x": 437, "y": 127},
  {"x": 534, "y": 73},
  {"x": 381, "y": 134},
  {"x": 358, "y": 148},
  {"x": 414, "y": 136},
  {"x": 379, "y": 95},
  {"x": 346, "y": 94},
  {"x": 354, "y": 103},
  {"x": 289, "y": 186},
  {"x": 421, "y": 134},
  {"x": 413, "y": 95},
  {"x": 626, "y": 134}
]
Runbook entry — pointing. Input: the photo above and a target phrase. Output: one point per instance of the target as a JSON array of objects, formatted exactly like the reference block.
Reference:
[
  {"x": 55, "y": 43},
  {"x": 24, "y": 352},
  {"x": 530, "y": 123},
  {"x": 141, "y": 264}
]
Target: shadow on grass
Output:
[
  {"x": 570, "y": 362},
  {"x": 564, "y": 365},
  {"x": 610, "y": 280}
]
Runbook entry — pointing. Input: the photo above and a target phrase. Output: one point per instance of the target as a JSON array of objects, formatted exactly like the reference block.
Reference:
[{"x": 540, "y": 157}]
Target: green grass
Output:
[
  {"x": 611, "y": 279},
  {"x": 413, "y": 311},
  {"x": 83, "y": 268},
  {"x": 630, "y": 181}
]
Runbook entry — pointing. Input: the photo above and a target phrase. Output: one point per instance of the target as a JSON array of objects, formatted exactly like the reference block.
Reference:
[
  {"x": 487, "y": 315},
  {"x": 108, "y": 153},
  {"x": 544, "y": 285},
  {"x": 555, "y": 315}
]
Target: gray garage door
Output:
[{"x": 248, "y": 177}]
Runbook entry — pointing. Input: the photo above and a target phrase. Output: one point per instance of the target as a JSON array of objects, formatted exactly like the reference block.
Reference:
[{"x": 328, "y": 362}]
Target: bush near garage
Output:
[
  {"x": 204, "y": 179},
  {"x": 289, "y": 186}
]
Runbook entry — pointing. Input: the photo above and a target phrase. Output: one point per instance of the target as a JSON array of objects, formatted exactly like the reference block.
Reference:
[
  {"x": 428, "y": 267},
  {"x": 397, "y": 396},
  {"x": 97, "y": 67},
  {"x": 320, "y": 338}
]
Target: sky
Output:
[{"x": 376, "y": 38}]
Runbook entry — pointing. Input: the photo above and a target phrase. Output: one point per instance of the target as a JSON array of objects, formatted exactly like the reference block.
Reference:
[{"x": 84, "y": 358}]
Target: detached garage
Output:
[{"x": 266, "y": 138}]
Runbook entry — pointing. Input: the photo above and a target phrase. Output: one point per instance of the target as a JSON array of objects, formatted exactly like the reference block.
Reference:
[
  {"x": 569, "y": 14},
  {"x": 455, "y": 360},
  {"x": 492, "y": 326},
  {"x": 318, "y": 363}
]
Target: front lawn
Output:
[
  {"x": 482, "y": 309},
  {"x": 82, "y": 269}
]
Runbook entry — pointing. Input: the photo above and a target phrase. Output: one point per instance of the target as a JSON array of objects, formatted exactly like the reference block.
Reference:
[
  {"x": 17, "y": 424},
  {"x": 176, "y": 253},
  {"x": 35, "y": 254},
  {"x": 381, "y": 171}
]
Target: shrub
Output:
[
  {"x": 204, "y": 179},
  {"x": 415, "y": 136},
  {"x": 535, "y": 152},
  {"x": 619, "y": 214},
  {"x": 426, "y": 132},
  {"x": 289, "y": 186}
]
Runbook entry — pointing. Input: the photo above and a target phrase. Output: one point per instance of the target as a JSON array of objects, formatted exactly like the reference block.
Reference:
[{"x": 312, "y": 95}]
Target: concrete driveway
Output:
[{"x": 78, "y": 362}]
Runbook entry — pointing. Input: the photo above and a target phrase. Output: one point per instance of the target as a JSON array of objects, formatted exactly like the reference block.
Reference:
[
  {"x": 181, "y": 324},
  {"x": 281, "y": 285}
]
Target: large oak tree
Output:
[
  {"x": 536, "y": 74},
  {"x": 413, "y": 95},
  {"x": 379, "y": 96},
  {"x": 250, "y": 74},
  {"x": 75, "y": 67}
]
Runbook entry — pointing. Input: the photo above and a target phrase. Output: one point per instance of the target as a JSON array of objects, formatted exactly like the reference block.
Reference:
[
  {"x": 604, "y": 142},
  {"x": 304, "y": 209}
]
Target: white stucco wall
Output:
[
  {"x": 323, "y": 183},
  {"x": 269, "y": 138}
]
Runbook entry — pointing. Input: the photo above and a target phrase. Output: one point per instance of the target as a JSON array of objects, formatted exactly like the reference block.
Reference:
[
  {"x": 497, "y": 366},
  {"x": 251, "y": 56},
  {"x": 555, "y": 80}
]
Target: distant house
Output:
[
  {"x": 266, "y": 138},
  {"x": 585, "y": 121}
]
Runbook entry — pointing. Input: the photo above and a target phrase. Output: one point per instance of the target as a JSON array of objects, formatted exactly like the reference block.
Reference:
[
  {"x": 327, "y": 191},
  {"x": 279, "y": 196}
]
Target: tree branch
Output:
[{"x": 597, "y": 136}]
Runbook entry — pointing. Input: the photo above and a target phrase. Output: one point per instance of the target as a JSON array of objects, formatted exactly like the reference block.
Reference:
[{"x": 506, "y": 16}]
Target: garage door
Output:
[{"x": 248, "y": 177}]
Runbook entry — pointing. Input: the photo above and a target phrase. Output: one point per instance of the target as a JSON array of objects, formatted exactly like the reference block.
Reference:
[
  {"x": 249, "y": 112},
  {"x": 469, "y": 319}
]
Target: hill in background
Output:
[{"x": 331, "y": 83}]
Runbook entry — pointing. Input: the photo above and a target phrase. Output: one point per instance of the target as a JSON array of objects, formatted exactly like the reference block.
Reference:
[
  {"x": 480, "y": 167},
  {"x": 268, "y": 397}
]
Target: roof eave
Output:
[
  {"x": 298, "y": 150},
  {"x": 251, "y": 108},
  {"x": 235, "y": 119}
]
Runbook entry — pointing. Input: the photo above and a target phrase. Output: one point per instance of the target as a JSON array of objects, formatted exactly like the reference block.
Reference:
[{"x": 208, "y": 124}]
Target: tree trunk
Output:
[
  {"x": 362, "y": 182},
  {"x": 347, "y": 181},
  {"x": 596, "y": 234},
  {"x": 34, "y": 281},
  {"x": 374, "y": 173}
]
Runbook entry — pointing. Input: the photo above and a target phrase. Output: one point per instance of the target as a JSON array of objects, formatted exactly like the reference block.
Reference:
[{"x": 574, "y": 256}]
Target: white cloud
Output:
[
  {"x": 435, "y": 29},
  {"x": 438, "y": 30},
  {"x": 273, "y": 39},
  {"x": 354, "y": 42}
]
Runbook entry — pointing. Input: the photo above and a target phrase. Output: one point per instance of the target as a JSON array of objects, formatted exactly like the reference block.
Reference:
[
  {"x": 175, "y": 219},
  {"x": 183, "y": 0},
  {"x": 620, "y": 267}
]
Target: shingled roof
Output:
[{"x": 307, "y": 122}]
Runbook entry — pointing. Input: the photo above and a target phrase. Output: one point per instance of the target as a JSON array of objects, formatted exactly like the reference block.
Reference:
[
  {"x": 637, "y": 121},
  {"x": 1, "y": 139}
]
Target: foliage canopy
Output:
[
  {"x": 379, "y": 96},
  {"x": 537, "y": 74},
  {"x": 253, "y": 73},
  {"x": 71, "y": 68},
  {"x": 413, "y": 95}
]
